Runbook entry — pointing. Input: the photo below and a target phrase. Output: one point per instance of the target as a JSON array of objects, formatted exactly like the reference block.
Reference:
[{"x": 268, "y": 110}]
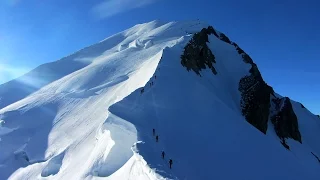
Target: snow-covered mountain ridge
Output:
[{"x": 90, "y": 115}]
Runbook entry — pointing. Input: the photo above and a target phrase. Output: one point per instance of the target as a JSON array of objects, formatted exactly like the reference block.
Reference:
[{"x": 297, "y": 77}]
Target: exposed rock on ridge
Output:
[
  {"x": 255, "y": 95},
  {"x": 285, "y": 120},
  {"x": 255, "y": 92},
  {"x": 197, "y": 55}
]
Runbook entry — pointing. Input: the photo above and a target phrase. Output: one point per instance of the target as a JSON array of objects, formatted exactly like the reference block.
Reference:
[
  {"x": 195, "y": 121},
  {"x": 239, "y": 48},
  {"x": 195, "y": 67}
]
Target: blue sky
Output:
[{"x": 282, "y": 36}]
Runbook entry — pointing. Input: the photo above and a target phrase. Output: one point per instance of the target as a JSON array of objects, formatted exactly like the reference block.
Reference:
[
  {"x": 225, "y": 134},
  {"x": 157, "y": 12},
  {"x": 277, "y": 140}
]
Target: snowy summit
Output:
[{"x": 175, "y": 100}]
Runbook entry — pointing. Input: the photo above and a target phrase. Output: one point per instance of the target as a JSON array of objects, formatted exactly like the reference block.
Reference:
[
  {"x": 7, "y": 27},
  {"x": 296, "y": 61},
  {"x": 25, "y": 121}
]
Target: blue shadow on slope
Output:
[
  {"x": 28, "y": 143},
  {"x": 159, "y": 165},
  {"x": 53, "y": 166}
]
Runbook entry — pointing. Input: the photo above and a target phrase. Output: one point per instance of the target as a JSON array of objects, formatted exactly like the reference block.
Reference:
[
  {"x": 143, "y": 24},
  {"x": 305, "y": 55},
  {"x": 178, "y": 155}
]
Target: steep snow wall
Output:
[{"x": 199, "y": 122}]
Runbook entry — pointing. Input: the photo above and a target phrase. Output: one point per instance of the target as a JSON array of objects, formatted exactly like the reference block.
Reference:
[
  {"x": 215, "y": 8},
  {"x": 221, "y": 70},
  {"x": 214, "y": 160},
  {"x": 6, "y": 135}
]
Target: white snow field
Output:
[{"x": 84, "y": 116}]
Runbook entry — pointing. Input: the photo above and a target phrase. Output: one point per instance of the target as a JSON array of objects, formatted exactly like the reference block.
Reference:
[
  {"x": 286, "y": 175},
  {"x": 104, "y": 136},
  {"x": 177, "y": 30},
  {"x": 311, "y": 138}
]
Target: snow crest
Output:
[{"x": 90, "y": 115}]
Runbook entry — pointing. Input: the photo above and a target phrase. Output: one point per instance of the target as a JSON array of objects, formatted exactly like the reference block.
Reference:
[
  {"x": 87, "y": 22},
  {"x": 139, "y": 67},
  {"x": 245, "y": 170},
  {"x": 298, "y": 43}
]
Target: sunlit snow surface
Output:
[{"x": 84, "y": 117}]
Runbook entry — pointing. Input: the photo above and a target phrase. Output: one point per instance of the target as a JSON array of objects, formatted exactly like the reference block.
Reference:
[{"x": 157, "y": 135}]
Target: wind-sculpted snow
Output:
[{"x": 90, "y": 115}]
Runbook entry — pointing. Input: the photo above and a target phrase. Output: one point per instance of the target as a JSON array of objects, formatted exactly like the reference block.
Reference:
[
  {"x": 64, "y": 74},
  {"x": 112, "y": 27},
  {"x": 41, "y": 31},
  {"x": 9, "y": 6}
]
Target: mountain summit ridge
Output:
[{"x": 90, "y": 115}]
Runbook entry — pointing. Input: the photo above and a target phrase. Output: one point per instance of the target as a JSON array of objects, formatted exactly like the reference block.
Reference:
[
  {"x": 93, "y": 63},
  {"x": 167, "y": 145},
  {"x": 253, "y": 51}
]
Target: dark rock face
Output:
[
  {"x": 284, "y": 144},
  {"x": 224, "y": 38},
  {"x": 220, "y": 35},
  {"x": 255, "y": 104},
  {"x": 255, "y": 92},
  {"x": 246, "y": 58},
  {"x": 240, "y": 51},
  {"x": 212, "y": 31},
  {"x": 255, "y": 95},
  {"x": 255, "y": 100},
  {"x": 197, "y": 55},
  {"x": 318, "y": 116},
  {"x": 285, "y": 120}
]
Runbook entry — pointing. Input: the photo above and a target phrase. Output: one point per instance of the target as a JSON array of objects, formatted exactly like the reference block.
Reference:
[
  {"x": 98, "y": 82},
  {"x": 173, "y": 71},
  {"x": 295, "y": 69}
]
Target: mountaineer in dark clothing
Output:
[
  {"x": 162, "y": 154},
  {"x": 153, "y": 132},
  {"x": 170, "y": 163},
  {"x": 157, "y": 138},
  {"x": 142, "y": 90}
]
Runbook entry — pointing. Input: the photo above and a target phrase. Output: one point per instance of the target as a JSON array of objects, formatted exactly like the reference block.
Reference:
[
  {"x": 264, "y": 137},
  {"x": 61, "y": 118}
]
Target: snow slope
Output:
[{"x": 84, "y": 116}]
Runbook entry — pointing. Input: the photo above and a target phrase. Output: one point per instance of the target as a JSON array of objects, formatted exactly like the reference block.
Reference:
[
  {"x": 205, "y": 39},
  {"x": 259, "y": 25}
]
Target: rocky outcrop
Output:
[
  {"x": 302, "y": 106},
  {"x": 255, "y": 92},
  {"x": 220, "y": 35},
  {"x": 255, "y": 100},
  {"x": 255, "y": 104},
  {"x": 240, "y": 51},
  {"x": 255, "y": 95},
  {"x": 246, "y": 58},
  {"x": 284, "y": 143},
  {"x": 224, "y": 38},
  {"x": 285, "y": 120},
  {"x": 197, "y": 55}
]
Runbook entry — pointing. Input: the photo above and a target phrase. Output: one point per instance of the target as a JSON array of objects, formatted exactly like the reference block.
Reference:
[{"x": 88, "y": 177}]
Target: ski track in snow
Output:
[{"x": 87, "y": 118}]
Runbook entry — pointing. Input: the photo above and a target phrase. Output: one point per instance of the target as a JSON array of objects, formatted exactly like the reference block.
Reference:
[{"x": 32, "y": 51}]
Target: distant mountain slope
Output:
[{"x": 90, "y": 115}]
